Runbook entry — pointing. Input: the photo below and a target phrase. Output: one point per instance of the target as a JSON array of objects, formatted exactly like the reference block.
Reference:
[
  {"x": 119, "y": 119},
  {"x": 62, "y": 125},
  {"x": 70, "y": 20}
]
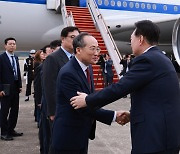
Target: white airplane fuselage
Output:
[{"x": 31, "y": 24}]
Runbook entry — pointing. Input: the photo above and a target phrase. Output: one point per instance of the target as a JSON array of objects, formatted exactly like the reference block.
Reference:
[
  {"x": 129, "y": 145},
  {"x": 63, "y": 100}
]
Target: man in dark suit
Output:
[
  {"x": 155, "y": 95},
  {"x": 108, "y": 72},
  {"x": 51, "y": 67},
  {"x": 11, "y": 77},
  {"x": 71, "y": 128},
  {"x": 126, "y": 62}
]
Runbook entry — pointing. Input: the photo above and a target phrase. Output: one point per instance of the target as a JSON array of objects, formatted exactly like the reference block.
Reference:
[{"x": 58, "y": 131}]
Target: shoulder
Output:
[
  {"x": 67, "y": 67},
  {"x": 3, "y": 54}
]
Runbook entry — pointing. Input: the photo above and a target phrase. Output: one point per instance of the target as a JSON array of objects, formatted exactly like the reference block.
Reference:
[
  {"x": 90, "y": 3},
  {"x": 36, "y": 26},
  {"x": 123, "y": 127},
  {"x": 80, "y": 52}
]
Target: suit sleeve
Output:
[
  {"x": 140, "y": 74},
  {"x": 68, "y": 85},
  {"x": 49, "y": 77}
]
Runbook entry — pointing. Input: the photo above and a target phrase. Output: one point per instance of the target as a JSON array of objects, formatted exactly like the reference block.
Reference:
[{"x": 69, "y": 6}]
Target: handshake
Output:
[{"x": 122, "y": 117}]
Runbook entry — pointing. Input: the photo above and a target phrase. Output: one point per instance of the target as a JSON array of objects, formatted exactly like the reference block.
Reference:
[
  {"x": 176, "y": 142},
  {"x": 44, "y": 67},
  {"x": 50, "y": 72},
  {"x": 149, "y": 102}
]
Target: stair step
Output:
[
  {"x": 86, "y": 26},
  {"x": 84, "y": 22},
  {"x": 98, "y": 89},
  {"x": 76, "y": 8},
  {"x": 81, "y": 13},
  {"x": 84, "y": 16}
]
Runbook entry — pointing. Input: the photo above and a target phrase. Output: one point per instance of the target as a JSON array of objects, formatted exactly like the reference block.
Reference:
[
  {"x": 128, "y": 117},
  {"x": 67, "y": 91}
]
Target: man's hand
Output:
[
  {"x": 122, "y": 117},
  {"x": 51, "y": 118},
  {"x": 78, "y": 101},
  {"x": 2, "y": 93}
]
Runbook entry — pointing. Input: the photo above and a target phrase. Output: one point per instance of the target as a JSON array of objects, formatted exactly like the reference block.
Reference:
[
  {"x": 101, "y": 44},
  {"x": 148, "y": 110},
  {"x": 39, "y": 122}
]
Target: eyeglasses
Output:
[
  {"x": 71, "y": 36},
  {"x": 97, "y": 49}
]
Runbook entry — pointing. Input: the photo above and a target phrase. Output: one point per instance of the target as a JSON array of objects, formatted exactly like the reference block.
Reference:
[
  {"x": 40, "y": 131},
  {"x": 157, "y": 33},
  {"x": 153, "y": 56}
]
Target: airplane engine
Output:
[{"x": 176, "y": 40}]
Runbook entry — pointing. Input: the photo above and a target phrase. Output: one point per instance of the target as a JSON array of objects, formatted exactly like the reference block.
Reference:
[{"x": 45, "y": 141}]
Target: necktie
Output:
[
  {"x": 71, "y": 57},
  {"x": 88, "y": 76},
  {"x": 14, "y": 69}
]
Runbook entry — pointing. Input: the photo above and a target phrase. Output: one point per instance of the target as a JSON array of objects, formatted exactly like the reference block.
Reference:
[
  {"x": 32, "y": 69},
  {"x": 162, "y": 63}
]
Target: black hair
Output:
[
  {"x": 10, "y": 38},
  {"x": 149, "y": 30},
  {"x": 44, "y": 48},
  {"x": 79, "y": 40},
  {"x": 66, "y": 30},
  {"x": 54, "y": 44}
]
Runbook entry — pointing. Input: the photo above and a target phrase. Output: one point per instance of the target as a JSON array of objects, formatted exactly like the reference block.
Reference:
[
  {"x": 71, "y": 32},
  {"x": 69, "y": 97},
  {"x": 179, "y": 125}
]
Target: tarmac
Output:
[{"x": 114, "y": 139}]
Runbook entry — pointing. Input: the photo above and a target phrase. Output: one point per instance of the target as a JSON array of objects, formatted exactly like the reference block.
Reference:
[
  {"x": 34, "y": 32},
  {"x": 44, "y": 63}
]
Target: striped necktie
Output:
[{"x": 14, "y": 68}]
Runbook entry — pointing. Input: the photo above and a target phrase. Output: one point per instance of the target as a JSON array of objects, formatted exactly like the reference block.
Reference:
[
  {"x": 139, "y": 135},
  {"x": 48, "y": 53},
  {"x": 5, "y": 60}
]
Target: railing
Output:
[
  {"x": 67, "y": 18},
  {"x": 58, "y": 4},
  {"x": 106, "y": 35}
]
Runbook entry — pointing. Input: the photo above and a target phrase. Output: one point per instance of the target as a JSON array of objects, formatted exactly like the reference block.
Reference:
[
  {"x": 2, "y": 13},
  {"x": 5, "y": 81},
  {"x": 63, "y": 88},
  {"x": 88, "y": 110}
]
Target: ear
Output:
[
  {"x": 141, "y": 39},
  {"x": 62, "y": 39},
  {"x": 78, "y": 50}
]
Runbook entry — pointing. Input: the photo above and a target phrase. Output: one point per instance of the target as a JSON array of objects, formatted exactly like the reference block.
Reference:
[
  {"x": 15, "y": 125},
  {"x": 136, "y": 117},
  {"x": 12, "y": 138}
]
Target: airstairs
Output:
[{"x": 89, "y": 19}]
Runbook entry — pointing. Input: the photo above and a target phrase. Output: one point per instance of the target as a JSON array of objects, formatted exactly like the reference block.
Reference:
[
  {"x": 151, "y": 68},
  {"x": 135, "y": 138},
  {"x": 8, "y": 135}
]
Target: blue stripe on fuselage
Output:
[
  {"x": 27, "y": 1},
  {"x": 137, "y": 6}
]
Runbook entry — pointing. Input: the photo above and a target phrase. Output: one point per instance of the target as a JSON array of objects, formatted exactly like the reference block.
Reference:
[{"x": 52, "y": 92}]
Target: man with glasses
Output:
[
  {"x": 51, "y": 67},
  {"x": 72, "y": 128}
]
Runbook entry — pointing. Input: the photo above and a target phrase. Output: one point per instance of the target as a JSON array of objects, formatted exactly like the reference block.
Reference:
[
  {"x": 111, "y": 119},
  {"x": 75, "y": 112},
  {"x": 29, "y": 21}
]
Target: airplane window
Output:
[
  {"x": 149, "y": 6},
  {"x": 106, "y": 2},
  {"x": 175, "y": 8},
  {"x": 124, "y": 4},
  {"x": 143, "y": 6},
  {"x": 137, "y": 5},
  {"x": 112, "y": 3},
  {"x": 99, "y": 2},
  {"x": 154, "y": 6},
  {"x": 165, "y": 7},
  {"x": 119, "y": 3},
  {"x": 131, "y": 4}
]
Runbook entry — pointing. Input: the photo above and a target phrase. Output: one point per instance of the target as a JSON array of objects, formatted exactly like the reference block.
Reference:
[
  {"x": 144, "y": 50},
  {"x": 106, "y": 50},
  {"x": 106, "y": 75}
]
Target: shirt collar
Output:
[
  {"x": 149, "y": 48},
  {"x": 67, "y": 53},
  {"x": 83, "y": 66},
  {"x": 9, "y": 54}
]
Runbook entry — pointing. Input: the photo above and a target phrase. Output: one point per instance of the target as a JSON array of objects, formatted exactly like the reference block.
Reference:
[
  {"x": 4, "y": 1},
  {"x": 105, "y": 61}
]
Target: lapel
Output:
[
  {"x": 63, "y": 56},
  {"x": 81, "y": 74},
  {"x": 8, "y": 62}
]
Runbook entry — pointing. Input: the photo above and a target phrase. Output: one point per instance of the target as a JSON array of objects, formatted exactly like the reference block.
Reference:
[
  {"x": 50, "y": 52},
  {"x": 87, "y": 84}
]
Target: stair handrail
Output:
[
  {"x": 106, "y": 35},
  {"x": 67, "y": 17},
  {"x": 58, "y": 4}
]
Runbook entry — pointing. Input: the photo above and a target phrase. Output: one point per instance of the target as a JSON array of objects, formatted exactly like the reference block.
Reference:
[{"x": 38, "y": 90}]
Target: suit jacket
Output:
[
  {"x": 37, "y": 83},
  {"x": 109, "y": 70},
  {"x": 72, "y": 128},
  {"x": 155, "y": 102},
  {"x": 6, "y": 72},
  {"x": 51, "y": 67}
]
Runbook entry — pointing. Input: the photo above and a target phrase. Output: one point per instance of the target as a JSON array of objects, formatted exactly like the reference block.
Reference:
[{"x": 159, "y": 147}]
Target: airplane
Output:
[
  {"x": 29, "y": 22},
  {"x": 33, "y": 25}
]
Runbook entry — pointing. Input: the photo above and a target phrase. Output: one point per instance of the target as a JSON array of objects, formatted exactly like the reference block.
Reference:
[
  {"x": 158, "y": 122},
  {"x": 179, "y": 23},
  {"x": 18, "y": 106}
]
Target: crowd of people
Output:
[{"x": 66, "y": 105}]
